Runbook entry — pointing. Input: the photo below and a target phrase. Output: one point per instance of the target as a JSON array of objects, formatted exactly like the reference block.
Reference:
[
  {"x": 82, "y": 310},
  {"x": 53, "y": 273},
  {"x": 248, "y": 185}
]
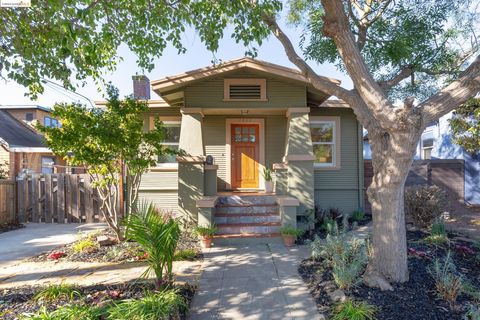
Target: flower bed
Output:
[
  {"x": 415, "y": 299},
  {"x": 87, "y": 249},
  {"x": 28, "y": 302}
]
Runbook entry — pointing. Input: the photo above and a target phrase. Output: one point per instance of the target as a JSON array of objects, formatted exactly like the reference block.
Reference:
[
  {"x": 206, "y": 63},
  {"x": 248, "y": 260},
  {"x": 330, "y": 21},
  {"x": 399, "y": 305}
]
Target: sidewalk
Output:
[{"x": 253, "y": 282}]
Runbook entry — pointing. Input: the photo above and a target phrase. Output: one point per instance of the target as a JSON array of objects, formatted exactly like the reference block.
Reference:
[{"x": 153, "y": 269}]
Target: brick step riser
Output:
[
  {"x": 248, "y": 229},
  {"x": 250, "y": 200},
  {"x": 245, "y": 219},
  {"x": 247, "y": 210}
]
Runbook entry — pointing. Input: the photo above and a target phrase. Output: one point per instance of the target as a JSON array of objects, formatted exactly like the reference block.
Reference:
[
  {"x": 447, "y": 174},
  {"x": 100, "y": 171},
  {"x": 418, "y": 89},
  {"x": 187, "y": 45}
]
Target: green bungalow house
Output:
[{"x": 235, "y": 119}]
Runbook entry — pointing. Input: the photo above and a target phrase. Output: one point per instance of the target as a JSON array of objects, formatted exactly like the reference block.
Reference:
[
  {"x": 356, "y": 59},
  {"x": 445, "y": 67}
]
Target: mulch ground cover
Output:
[
  {"x": 18, "y": 302},
  {"x": 415, "y": 299},
  {"x": 125, "y": 251},
  {"x": 5, "y": 227}
]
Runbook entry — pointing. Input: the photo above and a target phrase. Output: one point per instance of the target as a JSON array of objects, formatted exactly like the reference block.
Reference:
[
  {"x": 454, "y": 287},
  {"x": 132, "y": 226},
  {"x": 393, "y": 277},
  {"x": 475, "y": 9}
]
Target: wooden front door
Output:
[{"x": 245, "y": 155}]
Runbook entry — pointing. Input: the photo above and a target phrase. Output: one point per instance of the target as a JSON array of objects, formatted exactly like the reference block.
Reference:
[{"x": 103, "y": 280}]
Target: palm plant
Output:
[{"x": 158, "y": 235}]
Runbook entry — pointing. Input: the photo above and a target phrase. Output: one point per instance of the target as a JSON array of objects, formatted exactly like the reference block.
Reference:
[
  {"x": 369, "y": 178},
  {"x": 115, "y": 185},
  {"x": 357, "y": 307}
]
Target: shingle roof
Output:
[{"x": 16, "y": 134}]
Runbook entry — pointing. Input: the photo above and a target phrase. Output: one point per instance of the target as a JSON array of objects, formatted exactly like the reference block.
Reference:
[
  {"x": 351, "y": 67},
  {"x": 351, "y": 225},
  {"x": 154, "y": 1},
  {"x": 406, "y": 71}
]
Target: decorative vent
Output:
[{"x": 245, "y": 91}]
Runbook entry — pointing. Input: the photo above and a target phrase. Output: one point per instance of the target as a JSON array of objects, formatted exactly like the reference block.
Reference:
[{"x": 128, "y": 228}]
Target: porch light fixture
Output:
[{"x": 244, "y": 112}]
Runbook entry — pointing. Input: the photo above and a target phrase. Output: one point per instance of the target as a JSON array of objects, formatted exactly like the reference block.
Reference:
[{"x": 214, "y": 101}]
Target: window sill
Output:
[
  {"x": 317, "y": 167},
  {"x": 245, "y": 100}
]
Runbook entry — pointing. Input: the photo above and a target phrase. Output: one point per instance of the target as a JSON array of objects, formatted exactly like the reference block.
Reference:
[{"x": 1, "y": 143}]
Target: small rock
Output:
[
  {"x": 337, "y": 295},
  {"x": 105, "y": 241}
]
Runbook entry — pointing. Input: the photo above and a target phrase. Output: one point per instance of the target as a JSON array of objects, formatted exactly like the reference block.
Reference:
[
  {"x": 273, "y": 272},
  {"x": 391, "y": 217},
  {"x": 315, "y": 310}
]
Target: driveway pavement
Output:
[
  {"x": 259, "y": 281},
  {"x": 35, "y": 238}
]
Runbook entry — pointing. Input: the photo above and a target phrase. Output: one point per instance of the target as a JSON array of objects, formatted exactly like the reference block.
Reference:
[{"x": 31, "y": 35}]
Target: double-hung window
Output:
[
  {"x": 428, "y": 139},
  {"x": 325, "y": 139},
  {"x": 171, "y": 141}
]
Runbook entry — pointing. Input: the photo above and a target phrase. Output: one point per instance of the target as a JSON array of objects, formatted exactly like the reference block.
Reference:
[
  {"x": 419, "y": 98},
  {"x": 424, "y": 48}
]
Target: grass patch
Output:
[
  {"x": 166, "y": 304},
  {"x": 68, "y": 312},
  {"x": 57, "y": 292},
  {"x": 186, "y": 255},
  {"x": 353, "y": 310}
]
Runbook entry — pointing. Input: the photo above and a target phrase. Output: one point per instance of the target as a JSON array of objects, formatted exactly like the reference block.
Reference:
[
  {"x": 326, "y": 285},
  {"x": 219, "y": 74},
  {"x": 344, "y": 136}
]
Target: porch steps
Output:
[{"x": 247, "y": 219}]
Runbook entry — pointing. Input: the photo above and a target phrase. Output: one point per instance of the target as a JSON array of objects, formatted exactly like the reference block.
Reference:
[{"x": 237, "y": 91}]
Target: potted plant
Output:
[
  {"x": 267, "y": 175},
  {"x": 206, "y": 235},
  {"x": 289, "y": 235}
]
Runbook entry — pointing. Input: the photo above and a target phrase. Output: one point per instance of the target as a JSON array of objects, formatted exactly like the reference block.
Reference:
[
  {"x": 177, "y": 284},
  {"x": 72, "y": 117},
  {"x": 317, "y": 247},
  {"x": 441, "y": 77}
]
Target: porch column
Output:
[
  {"x": 300, "y": 159},
  {"x": 191, "y": 164}
]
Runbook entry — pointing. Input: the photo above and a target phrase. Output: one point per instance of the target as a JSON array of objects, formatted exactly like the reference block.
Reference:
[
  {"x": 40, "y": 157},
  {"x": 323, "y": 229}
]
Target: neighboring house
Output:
[
  {"x": 250, "y": 115},
  {"x": 436, "y": 143},
  {"x": 31, "y": 114},
  {"x": 23, "y": 148}
]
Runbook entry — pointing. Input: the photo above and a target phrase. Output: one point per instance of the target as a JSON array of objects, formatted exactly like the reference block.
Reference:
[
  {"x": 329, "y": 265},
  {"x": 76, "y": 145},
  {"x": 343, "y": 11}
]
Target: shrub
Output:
[
  {"x": 330, "y": 226},
  {"x": 68, "y": 312},
  {"x": 158, "y": 236},
  {"x": 424, "y": 203},
  {"x": 206, "y": 231},
  {"x": 448, "y": 282},
  {"x": 291, "y": 231},
  {"x": 473, "y": 312},
  {"x": 353, "y": 310},
  {"x": 57, "y": 292},
  {"x": 166, "y": 304},
  {"x": 185, "y": 255},
  {"x": 347, "y": 258},
  {"x": 85, "y": 245},
  {"x": 358, "y": 215},
  {"x": 438, "y": 233}
]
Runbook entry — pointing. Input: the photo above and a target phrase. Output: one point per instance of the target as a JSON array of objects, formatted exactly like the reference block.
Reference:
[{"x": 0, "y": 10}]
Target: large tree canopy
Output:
[
  {"x": 465, "y": 126},
  {"x": 72, "y": 40}
]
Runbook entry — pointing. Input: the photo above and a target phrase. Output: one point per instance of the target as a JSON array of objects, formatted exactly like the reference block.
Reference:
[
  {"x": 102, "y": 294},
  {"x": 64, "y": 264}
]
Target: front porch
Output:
[{"x": 228, "y": 188}]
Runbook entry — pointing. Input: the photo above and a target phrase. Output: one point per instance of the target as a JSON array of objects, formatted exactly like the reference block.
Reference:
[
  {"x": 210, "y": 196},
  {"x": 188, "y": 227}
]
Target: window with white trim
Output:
[
  {"x": 427, "y": 142},
  {"x": 47, "y": 165},
  {"x": 50, "y": 122},
  {"x": 324, "y": 142},
  {"x": 172, "y": 141}
]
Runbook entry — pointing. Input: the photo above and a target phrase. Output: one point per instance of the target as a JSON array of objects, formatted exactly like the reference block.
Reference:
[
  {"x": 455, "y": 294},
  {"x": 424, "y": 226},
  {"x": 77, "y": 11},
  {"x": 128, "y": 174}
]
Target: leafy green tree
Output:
[
  {"x": 72, "y": 40},
  {"x": 465, "y": 126},
  {"x": 4, "y": 170},
  {"x": 104, "y": 139}
]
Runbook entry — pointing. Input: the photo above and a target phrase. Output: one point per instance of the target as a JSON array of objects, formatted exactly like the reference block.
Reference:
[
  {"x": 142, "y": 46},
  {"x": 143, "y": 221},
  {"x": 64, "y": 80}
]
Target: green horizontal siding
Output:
[
  {"x": 340, "y": 188},
  {"x": 280, "y": 93},
  {"x": 164, "y": 200},
  {"x": 275, "y": 134},
  {"x": 159, "y": 180}
]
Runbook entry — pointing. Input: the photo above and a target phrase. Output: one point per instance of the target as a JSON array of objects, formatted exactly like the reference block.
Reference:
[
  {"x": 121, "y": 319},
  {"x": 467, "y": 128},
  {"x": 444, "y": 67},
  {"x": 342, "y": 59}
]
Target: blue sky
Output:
[{"x": 169, "y": 64}]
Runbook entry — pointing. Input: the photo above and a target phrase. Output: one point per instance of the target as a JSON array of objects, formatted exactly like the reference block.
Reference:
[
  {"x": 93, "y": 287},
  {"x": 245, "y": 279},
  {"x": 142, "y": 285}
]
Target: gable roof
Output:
[
  {"x": 176, "y": 82},
  {"x": 14, "y": 134}
]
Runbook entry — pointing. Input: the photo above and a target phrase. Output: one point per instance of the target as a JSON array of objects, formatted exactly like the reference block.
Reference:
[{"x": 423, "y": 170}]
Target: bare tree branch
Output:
[
  {"x": 337, "y": 27},
  {"x": 459, "y": 91}
]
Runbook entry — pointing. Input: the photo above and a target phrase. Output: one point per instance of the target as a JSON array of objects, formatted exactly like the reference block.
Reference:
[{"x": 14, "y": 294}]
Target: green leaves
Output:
[
  {"x": 465, "y": 126},
  {"x": 158, "y": 235},
  {"x": 71, "y": 40}
]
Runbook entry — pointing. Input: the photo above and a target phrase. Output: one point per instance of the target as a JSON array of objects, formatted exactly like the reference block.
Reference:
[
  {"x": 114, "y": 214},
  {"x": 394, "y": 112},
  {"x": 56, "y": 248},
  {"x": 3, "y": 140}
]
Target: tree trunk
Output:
[{"x": 392, "y": 157}]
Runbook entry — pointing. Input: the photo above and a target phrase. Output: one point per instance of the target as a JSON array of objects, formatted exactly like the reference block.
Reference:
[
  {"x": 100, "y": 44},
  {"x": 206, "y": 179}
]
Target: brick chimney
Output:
[{"x": 141, "y": 87}]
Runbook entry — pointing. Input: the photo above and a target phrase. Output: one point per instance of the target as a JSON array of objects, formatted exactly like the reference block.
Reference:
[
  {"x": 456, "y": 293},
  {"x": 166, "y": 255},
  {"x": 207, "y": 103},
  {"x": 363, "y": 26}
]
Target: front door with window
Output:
[{"x": 245, "y": 156}]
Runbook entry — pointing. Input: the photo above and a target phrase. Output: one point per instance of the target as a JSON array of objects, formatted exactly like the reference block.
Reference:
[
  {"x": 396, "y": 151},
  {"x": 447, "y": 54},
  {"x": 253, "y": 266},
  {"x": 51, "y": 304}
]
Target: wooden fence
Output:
[
  {"x": 447, "y": 174},
  {"x": 7, "y": 201},
  {"x": 57, "y": 198}
]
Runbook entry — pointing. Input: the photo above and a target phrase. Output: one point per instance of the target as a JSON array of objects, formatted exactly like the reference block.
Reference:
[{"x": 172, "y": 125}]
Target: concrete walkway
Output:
[
  {"x": 253, "y": 282},
  {"x": 36, "y": 238}
]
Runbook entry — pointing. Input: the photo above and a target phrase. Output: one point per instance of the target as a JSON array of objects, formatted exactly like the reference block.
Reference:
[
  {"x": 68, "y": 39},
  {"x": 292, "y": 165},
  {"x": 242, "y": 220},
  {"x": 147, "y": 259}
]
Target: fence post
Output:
[
  {"x": 88, "y": 196},
  {"x": 34, "y": 199},
  {"x": 48, "y": 199},
  {"x": 21, "y": 199},
  {"x": 61, "y": 198}
]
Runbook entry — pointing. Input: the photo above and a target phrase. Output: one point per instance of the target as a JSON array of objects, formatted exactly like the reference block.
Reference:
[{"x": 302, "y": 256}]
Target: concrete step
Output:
[
  {"x": 246, "y": 200},
  {"x": 246, "y": 239},
  {"x": 246, "y": 209},
  {"x": 235, "y": 218},
  {"x": 248, "y": 228}
]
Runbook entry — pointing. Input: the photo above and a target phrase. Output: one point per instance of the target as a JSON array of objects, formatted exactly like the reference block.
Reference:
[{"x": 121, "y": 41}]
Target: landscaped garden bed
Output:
[
  {"x": 88, "y": 249},
  {"x": 120, "y": 301},
  {"x": 419, "y": 298}
]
